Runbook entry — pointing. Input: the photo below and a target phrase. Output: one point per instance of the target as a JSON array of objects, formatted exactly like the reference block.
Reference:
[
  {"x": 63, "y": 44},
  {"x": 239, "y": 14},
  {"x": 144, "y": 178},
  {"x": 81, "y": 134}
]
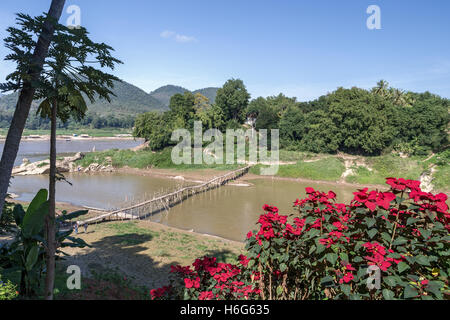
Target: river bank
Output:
[
  {"x": 99, "y": 133},
  {"x": 76, "y": 138},
  {"x": 433, "y": 171}
]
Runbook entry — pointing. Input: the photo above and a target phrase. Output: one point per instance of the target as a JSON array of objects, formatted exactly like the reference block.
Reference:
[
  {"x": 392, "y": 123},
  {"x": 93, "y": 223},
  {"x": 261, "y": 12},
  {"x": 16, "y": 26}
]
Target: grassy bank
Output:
[
  {"x": 376, "y": 169},
  {"x": 326, "y": 169},
  {"x": 105, "y": 132},
  {"x": 143, "y": 159},
  {"x": 364, "y": 170}
]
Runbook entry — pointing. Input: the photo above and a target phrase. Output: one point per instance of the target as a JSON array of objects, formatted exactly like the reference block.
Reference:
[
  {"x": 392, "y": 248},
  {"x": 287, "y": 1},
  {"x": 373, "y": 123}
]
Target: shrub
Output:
[
  {"x": 7, "y": 218},
  {"x": 326, "y": 250},
  {"x": 8, "y": 291}
]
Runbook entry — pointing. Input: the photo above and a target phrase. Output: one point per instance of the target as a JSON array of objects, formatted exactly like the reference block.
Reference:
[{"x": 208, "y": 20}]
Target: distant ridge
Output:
[
  {"x": 129, "y": 100},
  {"x": 164, "y": 93}
]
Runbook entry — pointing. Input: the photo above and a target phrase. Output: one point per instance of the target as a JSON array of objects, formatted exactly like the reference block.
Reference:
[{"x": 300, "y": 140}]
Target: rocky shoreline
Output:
[{"x": 66, "y": 164}]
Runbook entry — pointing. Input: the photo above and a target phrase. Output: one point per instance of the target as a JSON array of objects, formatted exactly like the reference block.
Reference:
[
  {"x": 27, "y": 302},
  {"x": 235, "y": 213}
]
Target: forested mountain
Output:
[
  {"x": 128, "y": 101},
  {"x": 163, "y": 94},
  {"x": 209, "y": 92}
]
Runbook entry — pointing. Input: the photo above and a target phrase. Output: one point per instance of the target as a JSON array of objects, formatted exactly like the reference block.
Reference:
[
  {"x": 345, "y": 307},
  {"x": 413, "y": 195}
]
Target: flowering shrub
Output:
[
  {"x": 207, "y": 280},
  {"x": 8, "y": 290},
  {"x": 327, "y": 249}
]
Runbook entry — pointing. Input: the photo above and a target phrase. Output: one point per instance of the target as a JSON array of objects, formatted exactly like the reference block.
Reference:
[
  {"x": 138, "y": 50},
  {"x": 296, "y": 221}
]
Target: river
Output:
[
  {"x": 229, "y": 211},
  {"x": 39, "y": 150}
]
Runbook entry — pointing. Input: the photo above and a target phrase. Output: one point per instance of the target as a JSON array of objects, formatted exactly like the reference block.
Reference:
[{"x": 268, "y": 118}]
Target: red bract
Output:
[
  {"x": 189, "y": 283},
  {"x": 206, "y": 295},
  {"x": 347, "y": 278},
  {"x": 158, "y": 293},
  {"x": 243, "y": 260}
]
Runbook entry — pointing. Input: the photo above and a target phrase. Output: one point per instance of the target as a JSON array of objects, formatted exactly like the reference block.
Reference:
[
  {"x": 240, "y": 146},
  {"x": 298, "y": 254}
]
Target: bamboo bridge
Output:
[{"x": 164, "y": 202}]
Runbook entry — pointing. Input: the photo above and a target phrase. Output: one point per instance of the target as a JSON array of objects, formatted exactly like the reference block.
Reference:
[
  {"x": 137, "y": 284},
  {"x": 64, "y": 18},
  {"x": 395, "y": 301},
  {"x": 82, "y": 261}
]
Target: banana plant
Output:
[{"x": 27, "y": 251}]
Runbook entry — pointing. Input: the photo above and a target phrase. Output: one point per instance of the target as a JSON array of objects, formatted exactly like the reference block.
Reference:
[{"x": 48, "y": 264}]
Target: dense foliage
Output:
[
  {"x": 184, "y": 109},
  {"x": 7, "y": 218},
  {"x": 8, "y": 291},
  {"x": 233, "y": 99},
  {"x": 27, "y": 252},
  {"x": 328, "y": 250},
  {"x": 366, "y": 122},
  {"x": 357, "y": 121}
]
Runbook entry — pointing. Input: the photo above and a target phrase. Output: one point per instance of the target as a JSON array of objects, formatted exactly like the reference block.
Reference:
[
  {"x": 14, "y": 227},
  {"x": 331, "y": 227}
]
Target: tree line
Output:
[
  {"x": 91, "y": 120},
  {"x": 355, "y": 120}
]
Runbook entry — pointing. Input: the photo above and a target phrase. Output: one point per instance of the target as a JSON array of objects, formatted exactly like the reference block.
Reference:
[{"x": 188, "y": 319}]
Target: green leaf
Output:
[
  {"x": 435, "y": 288},
  {"x": 332, "y": 257},
  {"x": 370, "y": 222},
  {"x": 411, "y": 220},
  {"x": 399, "y": 241},
  {"x": 283, "y": 267},
  {"x": 388, "y": 294},
  {"x": 402, "y": 266},
  {"x": 372, "y": 232},
  {"x": 19, "y": 214},
  {"x": 33, "y": 221},
  {"x": 279, "y": 290},
  {"x": 345, "y": 289},
  {"x": 38, "y": 200},
  {"x": 390, "y": 281},
  {"x": 421, "y": 259},
  {"x": 344, "y": 257},
  {"x": 410, "y": 292},
  {"x": 327, "y": 281},
  {"x": 32, "y": 257},
  {"x": 386, "y": 237},
  {"x": 320, "y": 248}
]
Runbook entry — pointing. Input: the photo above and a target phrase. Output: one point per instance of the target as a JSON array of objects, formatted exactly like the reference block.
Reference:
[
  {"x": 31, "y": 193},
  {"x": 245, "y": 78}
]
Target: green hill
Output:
[
  {"x": 209, "y": 92},
  {"x": 164, "y": 93},
  {"x": 129, "y": 100}
]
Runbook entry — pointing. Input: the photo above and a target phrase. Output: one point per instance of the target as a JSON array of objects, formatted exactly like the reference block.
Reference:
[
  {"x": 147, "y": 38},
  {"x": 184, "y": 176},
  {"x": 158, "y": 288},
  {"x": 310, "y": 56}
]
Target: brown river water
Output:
[
  {"x": 39, "y": 150},
  {"x": 229, "y": 211}
]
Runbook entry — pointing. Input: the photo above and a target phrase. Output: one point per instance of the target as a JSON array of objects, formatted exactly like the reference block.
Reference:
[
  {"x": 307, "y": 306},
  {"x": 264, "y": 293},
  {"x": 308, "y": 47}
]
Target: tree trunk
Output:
[
  {"x": 50, "y": 229},
  {"x": 25, "y": 98}
]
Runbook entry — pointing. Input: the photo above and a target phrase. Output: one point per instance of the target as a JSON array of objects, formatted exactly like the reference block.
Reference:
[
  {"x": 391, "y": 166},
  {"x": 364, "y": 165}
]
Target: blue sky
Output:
[{"x": 301, "y": 48}]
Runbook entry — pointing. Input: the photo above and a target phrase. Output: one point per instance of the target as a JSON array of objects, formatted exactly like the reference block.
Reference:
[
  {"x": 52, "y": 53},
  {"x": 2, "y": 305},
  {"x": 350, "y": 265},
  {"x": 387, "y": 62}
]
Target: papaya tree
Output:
[
  {"x": 72, "y": 72},
  {"x": 29, "y": 47}
]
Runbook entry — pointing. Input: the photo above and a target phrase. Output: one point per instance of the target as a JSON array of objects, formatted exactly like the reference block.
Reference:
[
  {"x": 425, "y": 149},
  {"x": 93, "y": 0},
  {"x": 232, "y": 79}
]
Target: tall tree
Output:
[
  {"x": 68, "y": 74},
  {"x": 233, "y": 99},
  {"x": 29, "y": 67}
]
